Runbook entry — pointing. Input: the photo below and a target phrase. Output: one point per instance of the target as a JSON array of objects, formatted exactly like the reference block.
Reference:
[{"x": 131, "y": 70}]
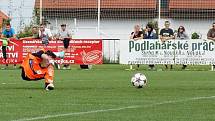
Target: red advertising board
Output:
[
  {"x": 13, "y": 53},
  {"x": 80, "y": 51},
  {"x": 84, "y": 51}
]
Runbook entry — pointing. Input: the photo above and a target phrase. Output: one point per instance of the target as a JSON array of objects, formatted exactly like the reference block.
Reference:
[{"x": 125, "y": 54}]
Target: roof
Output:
[
  {"x": 106, "y": 4},
  {"x": 3, "y": 15},
  {"x": 192, "y": 4}
]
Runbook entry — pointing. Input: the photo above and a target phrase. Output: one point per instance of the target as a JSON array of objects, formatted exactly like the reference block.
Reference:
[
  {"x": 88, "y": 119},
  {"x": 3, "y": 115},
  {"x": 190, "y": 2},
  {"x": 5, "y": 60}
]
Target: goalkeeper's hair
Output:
[{"x": 50, "y": 53}]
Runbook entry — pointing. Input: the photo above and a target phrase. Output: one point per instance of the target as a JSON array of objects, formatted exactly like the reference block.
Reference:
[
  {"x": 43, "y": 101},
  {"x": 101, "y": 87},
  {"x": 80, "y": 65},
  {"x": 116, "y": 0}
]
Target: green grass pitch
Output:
[{"x": 105, "y": 94}]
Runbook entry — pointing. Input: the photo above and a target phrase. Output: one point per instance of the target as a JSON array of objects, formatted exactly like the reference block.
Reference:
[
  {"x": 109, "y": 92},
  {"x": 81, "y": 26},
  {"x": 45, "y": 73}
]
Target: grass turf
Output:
[{"x": 108, "y": 87}]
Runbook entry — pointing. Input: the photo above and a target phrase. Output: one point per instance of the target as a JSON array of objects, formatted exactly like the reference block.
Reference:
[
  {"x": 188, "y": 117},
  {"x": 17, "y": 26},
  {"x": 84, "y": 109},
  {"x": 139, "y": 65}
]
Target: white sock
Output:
[{"x": 60, "y": 54}]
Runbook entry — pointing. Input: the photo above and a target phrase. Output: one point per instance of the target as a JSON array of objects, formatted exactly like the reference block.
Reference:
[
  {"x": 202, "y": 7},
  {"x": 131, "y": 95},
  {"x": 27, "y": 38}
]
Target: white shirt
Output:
[
  {"x": 64, "y": 34},
  {"x": 46, "y": 33}
]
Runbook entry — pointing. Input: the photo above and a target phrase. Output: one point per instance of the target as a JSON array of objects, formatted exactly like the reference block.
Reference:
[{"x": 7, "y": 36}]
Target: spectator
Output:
[
  {"x": 167, "y": 34},
  {"x": 137, "y": 34},
  {"x": 35, "y": 32},
  {"x": 8, "y": 32},
  {"x": 150, "y": 33},
  {"x": 65, "y": 36},
  {"x": 182, "y": 35},
  {"x": 211, "y": 33},
  {"x": 45, "y": 34}
]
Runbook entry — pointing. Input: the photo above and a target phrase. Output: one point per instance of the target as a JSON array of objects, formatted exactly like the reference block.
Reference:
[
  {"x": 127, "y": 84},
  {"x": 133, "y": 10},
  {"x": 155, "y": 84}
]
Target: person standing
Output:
[
  {"x": 7, "y": 33},
  {"x": 45, "y": 34},
  {"x": 35, "y": 32},
  {"x": 137, "y": 34},
  {"x": 211, "y": 35},
  {"x": 182, "y": 35},
  {"x": 65, "y": 36},
  {"x": 167, "y": 34},
  {"x": 150, "y": 33}
]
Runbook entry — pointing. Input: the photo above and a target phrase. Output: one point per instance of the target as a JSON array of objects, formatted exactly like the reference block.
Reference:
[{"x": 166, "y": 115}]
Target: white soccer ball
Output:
[{"x": 139, "y": 80}]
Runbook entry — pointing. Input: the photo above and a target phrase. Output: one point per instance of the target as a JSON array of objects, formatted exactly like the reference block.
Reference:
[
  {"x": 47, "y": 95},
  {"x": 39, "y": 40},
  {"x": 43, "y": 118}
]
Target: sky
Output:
[{"x": 21, "y": 11}]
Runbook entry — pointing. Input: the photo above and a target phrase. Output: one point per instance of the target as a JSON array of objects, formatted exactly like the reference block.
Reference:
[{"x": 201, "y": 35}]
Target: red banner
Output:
[
  {"x": 80, "y": 51},
  {"x": 13, "y": 53}
]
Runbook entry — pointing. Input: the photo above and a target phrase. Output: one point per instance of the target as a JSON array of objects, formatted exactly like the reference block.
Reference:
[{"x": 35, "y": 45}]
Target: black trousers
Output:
[
  {"x": 4, "y": 52},
  {"x": 66, "y": 42}
]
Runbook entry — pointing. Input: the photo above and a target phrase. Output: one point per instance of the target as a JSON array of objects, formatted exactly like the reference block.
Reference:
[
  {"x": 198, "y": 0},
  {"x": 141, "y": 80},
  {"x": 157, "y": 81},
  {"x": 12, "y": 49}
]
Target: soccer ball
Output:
[{"x": 139, "y": 80}]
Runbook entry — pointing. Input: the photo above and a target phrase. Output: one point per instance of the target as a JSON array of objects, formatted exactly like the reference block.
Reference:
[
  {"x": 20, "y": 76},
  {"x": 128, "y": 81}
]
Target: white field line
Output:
[
  {"x": 7, "y": 83},
  {"x": 113, "y": 109}
]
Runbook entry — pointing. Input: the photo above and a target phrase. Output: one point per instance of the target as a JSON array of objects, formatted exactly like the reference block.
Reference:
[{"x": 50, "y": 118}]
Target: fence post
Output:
[
  {"x": 159, "y": 14},
  {"x": 99, "y": 12},
  {"x": 41, "y": 6}
]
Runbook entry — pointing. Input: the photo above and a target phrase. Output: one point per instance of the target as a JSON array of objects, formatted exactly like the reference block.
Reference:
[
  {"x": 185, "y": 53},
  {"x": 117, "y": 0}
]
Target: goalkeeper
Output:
[{"x": 40, "y": 65}]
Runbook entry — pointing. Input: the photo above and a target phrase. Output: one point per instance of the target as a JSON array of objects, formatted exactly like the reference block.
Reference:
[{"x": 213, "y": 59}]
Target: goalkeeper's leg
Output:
[{"x": 49, "y": 78}]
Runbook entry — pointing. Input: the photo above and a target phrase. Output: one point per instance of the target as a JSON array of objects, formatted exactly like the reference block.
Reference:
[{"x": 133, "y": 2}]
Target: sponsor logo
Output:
[{"x": 92, "y": 57}]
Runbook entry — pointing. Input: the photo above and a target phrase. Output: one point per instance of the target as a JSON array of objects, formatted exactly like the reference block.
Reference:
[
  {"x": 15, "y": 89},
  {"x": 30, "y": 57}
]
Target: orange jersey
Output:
[{"x": 33, "y": 69}]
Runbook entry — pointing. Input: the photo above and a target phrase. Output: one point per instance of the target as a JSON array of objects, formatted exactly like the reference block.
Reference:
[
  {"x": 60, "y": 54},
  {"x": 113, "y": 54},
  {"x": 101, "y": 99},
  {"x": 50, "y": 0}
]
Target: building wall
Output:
[
  {"x": 121, "y": 29},
  {"x": 2, "y": 17}
]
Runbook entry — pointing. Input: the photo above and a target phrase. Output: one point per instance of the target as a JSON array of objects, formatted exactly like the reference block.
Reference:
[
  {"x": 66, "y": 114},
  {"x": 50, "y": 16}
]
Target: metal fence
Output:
[{"x": 111, "y": 50}]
